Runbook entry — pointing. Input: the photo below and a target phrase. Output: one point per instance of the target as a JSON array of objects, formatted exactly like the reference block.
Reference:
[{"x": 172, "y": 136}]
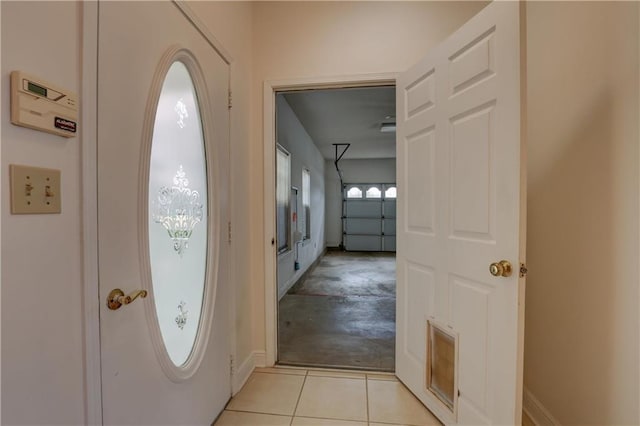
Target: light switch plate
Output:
[{"x": 34, "y": 190}]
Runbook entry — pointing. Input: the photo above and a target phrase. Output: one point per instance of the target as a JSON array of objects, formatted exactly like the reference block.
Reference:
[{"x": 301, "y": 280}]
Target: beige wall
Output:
[
  {"x": 319, "y": 39},
  {"x": 42, "y": 321},
  {"x": 581, "y": 350}
]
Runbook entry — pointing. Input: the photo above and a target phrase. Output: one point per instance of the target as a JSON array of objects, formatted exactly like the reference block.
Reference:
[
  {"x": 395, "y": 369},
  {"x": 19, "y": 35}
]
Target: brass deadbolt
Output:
[{"x": 501, "y": 269}]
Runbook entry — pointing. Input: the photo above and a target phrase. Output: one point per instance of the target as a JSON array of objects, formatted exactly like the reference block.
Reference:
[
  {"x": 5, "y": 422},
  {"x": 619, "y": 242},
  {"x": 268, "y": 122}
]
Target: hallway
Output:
[
  {"x": 342, "y": 314},
  {"x": 299, "y": 397}
]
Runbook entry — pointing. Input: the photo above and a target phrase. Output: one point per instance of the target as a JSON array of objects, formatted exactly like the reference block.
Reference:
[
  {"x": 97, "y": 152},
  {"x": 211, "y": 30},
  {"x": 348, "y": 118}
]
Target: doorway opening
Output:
[{"x": 335, "y": 199}]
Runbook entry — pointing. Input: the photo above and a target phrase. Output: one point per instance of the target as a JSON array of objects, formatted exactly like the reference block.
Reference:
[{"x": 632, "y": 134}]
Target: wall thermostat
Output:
[{"x": 40, "y": 105}]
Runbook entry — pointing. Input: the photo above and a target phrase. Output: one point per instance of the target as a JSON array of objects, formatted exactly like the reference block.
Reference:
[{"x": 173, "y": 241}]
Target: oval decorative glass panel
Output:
[{"x": 177, "y": 217}]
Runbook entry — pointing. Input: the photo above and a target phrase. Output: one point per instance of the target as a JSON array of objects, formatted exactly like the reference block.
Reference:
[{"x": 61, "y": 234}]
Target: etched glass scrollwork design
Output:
[
  {"x": 178, "y": 214},
  {"x": 183, "y": 315},
  {"x": 183, "y": 113},
  {"x": 179, "y": 210}
]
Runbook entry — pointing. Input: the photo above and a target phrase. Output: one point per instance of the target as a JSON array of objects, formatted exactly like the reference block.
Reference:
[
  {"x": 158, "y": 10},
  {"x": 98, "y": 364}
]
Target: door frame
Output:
[
  {"x": 270, "y": 88},
  {"x": 89, "y": 139}
]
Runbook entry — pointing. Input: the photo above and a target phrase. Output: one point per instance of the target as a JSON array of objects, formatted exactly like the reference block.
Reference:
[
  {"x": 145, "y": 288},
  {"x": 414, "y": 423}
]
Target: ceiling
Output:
[{"x": 348, "y": 116}]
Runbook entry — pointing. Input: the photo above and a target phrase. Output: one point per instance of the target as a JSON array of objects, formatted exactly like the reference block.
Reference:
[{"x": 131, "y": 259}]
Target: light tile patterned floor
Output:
[{"x": 299, "y": 397}]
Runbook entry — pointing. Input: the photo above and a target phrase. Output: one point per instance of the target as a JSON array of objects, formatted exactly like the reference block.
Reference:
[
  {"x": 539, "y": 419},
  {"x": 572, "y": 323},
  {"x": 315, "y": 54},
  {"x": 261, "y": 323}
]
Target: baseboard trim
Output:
[
  {"x": 241, "y": 375},
  {"x": 259, "y": 358},
  {"x": 536, "y": 411}
]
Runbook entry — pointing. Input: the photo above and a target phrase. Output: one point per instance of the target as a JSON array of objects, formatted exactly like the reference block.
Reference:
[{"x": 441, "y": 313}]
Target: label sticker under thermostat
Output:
[{"x": 64, "y": 124}]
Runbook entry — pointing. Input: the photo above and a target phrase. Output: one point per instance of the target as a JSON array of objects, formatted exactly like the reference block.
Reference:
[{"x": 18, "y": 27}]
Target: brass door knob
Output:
[
  {"x": 117, "y": 298},
  {"x": 501, "y": 269}
]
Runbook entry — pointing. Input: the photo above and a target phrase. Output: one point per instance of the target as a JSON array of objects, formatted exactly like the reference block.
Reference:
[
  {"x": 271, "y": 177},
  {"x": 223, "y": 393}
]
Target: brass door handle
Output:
[
  {"x": 117, "y": 298},
  {"x": 501, "y": 269}
]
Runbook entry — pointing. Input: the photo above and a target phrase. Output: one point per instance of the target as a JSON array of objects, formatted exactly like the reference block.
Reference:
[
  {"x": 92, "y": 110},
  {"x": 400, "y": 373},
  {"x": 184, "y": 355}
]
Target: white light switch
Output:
[{"x": 34, "y": 190}]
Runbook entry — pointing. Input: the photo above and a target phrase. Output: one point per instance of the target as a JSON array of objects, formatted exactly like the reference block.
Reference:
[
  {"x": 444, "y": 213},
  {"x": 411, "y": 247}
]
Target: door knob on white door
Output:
[
  {"x": 501, "y": 269},
  {"x": 117, "y": 298}
]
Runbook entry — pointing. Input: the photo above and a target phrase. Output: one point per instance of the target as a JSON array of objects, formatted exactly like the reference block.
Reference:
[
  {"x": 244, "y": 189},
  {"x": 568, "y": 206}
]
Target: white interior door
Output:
[
  {"x": 162, "y": 196},
  {"x": 460, "y": 209}
]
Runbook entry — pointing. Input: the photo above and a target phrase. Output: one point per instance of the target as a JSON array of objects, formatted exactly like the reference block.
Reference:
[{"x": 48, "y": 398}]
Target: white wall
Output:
[
  {"x": 304, "y": 154},
  {"x": 379, "y": 170},
  {"x": 581, "y": 348},
  {"x": 314, "y": 39},
  {"x": 42, "y": 321}
]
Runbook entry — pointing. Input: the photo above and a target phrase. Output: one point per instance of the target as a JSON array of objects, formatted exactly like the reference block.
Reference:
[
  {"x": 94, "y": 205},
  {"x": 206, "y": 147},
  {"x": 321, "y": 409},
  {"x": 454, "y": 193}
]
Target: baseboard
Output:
[
  {"x": 242, "y": 373},
  {"x": 259, "y": 358},
  {"x": 536, "y": 411}
]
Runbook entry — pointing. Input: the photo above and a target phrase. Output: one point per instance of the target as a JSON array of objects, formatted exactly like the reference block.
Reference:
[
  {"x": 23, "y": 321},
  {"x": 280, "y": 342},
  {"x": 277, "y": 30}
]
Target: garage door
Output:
[{"x": 369, "y": 217}]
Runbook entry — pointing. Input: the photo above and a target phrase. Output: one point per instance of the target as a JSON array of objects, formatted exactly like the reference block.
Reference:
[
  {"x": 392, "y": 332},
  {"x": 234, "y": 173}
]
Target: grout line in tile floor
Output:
[
  {"x": 366, "y": 389},
  {"x": 236, "y": 410},
  {"x": 293, "y": 416},
  {"x": 279, "y": 374}
]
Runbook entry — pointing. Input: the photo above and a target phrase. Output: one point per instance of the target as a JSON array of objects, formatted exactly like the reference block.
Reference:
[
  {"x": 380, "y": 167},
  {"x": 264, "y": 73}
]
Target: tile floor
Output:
[{"x": 300, "y": 397}]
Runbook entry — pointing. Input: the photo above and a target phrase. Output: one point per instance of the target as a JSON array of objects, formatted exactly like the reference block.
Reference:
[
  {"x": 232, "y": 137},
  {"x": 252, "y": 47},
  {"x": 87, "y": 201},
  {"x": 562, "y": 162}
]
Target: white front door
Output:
[
  {"x": 460, "y": 209},
  {"x": 162, "y": 208}
]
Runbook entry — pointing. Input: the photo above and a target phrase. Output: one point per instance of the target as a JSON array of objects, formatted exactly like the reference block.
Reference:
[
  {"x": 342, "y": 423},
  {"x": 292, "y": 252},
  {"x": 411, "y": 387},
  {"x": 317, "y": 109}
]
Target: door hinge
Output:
[
  {"x": 230, "y": 99},
  {"x": 523, "y": 270},
  {"x": 232, "y": 365},
  {"x": 229, "y": 232}
]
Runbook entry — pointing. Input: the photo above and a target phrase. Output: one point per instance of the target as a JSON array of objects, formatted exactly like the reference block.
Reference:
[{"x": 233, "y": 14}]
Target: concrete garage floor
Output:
[{"x": 343, "y": 314}]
